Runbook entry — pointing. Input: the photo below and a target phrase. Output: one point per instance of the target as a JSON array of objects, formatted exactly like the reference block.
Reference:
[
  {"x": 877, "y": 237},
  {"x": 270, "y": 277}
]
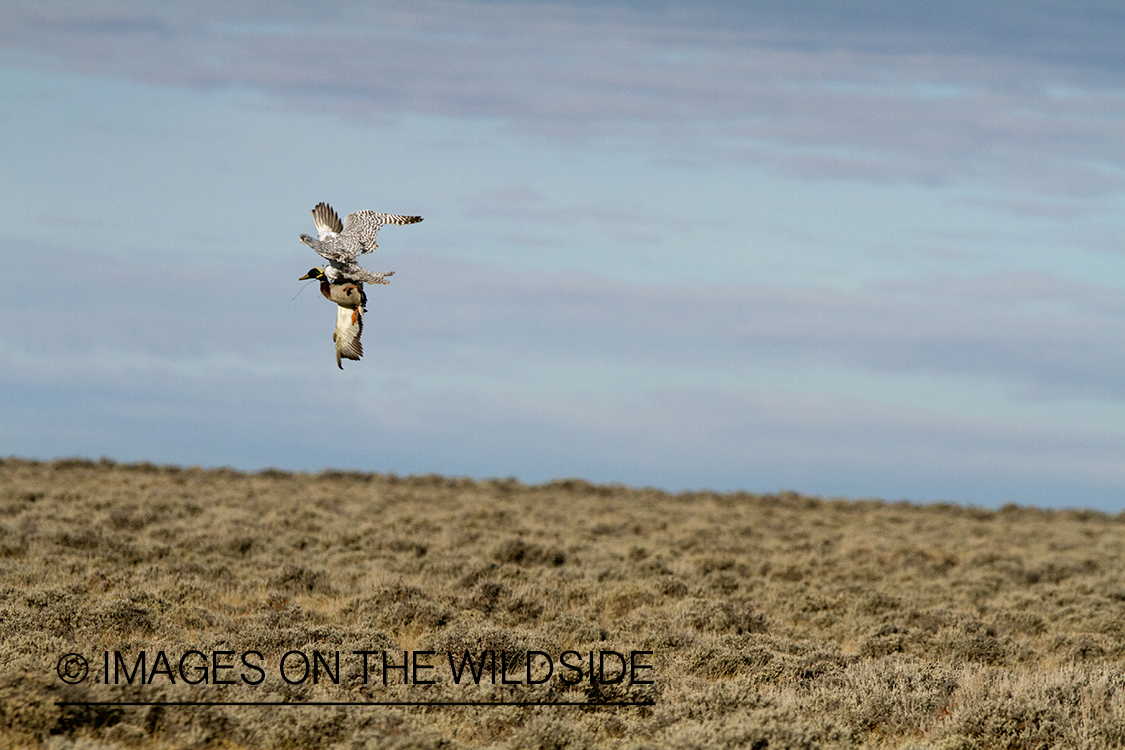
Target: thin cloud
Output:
[
  {"x": 1032, "y": 333},
  {"x": 1036, "y": 335},
  {"x": 887, "y": 95},
  {"x": 627, "y": 222}
]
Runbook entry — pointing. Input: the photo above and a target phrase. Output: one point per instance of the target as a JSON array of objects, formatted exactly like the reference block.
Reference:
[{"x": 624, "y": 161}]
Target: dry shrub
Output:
[
  {"x": 710, "y": 616},
  {"x": 552, "y": 733},
  {"x": 774, "y": 620},
  {"x": 512, "y": 643},
  {"x": 399, "y": 606},
  {"x": 1063, "y": 707},
  {"x": 521, "y": 552}
]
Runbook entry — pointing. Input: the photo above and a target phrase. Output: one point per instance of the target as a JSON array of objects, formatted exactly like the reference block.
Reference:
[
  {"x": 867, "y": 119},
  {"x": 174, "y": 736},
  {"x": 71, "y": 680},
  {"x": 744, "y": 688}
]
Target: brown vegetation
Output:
[{"x": 773, "y": 620}]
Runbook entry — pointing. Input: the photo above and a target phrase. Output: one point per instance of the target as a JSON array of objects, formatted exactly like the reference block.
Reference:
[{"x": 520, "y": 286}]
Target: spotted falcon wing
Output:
[
  {"x": 327, "y": 221},
  {"x": 331, "y": 249},
  {"x": 361, "y": 227},
  {"x": 356, "y": 273}
]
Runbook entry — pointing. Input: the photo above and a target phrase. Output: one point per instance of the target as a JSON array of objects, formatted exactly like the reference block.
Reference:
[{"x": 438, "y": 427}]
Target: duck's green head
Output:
[{"x": 314, "y": 273}]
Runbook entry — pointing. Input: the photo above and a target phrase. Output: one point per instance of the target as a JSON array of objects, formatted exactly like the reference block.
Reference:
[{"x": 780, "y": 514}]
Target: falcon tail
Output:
[{"x": 396, "y": 219}]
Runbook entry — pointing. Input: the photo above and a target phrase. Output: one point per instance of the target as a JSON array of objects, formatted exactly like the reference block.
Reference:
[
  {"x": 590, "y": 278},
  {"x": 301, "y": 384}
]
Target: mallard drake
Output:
[
  {"x": 351, "y": 304},
  {"x": 339, "y": 242}
]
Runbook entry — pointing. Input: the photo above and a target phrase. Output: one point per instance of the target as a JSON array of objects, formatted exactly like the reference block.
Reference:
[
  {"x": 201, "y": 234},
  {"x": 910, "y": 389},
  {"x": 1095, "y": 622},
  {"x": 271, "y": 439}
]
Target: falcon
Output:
[
  {"x": 339, "y": 242},
  {"x": 342, "y": 279}
]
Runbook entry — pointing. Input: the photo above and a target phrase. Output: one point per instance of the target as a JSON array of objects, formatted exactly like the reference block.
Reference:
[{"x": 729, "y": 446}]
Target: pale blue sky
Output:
[{"x": 851, "y": 249}]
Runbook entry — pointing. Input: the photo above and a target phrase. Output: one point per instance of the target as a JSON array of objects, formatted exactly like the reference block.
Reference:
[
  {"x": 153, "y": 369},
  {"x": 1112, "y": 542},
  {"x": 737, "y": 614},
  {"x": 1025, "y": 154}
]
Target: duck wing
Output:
[{"x": 349, "y": 328}]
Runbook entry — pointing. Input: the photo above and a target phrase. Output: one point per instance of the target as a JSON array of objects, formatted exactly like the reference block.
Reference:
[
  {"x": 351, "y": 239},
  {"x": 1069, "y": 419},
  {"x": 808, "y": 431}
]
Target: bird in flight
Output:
[
  {"x": 339, "y": 242},
  {"x": 351, "y": 304},
  {"x": 342, "y": 279}
]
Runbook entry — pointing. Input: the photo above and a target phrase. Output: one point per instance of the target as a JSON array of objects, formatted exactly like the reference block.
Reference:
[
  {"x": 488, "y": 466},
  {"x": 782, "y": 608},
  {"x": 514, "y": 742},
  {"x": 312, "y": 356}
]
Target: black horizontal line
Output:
[{"x": 355, "y": 703}]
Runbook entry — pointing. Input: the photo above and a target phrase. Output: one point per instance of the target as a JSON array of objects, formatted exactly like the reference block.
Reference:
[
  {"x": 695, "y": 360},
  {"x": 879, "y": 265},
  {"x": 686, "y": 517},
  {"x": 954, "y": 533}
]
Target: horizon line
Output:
[{"x": 637, "y": 703}]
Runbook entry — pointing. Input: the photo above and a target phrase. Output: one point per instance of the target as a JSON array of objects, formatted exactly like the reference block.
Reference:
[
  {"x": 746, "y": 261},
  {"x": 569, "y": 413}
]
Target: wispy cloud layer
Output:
[
  {"x": 1022, "y": 98},
  {"x": 1036, "y": 336}
]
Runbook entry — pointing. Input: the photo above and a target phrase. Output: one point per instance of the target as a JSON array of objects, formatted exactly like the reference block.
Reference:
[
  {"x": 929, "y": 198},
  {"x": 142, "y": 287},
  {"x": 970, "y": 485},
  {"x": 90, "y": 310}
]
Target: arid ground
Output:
[{"x": 742, "y": 620}]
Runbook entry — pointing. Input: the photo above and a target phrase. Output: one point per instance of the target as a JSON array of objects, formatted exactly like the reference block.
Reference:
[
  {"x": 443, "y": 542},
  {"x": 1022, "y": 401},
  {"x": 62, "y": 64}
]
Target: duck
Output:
[
  {"x": 351, "y": 304},
  {"x": 339, "y": 242}
]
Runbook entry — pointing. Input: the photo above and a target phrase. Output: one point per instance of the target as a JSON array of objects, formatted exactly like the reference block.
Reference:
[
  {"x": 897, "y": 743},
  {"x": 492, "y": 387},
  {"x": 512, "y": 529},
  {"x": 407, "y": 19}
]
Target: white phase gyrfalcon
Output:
[
  {"x": 339, "y": 243},
  {"x": 351, "y": 304},
  {"x": 342, "y": 279}
]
